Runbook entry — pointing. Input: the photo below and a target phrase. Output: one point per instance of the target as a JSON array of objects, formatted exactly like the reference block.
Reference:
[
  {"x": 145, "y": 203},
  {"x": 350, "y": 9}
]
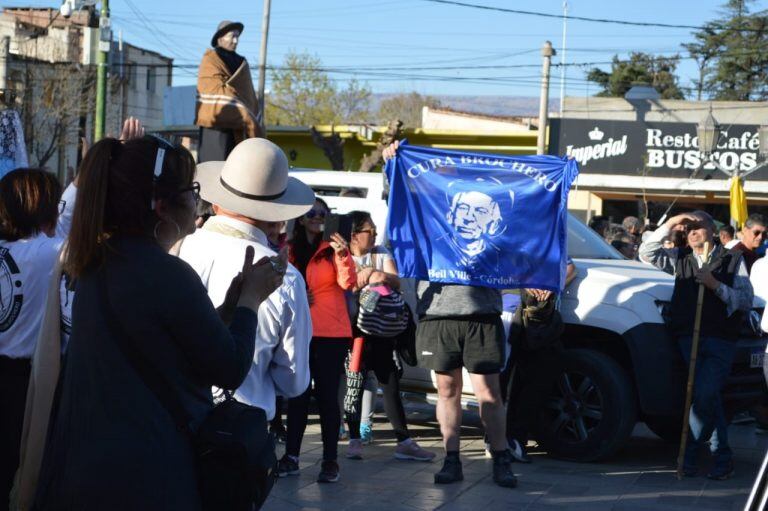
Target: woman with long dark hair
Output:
[
  {"x": 111, "y": 443},
  {"x": 29, "y": 201},
  {"x": 329, "y": 271},
  {"x": 374, "y": 264}
]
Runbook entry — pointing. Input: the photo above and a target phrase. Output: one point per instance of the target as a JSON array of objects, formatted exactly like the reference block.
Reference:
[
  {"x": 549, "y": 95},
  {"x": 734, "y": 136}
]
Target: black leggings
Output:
[
  {"x": 378, "y": 357},
  {"x": 14, "y": 380},
  {"x": 326, "y": 365}
]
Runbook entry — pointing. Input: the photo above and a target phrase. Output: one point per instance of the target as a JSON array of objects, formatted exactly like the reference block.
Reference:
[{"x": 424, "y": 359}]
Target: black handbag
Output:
[
  {"x": 535, "y": 325},
  {"x": 234, "y": 451}
]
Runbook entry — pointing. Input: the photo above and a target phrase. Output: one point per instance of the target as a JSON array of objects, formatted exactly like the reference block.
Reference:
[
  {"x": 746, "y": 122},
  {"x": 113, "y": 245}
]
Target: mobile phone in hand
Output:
[{"x": 341, "y": 224}]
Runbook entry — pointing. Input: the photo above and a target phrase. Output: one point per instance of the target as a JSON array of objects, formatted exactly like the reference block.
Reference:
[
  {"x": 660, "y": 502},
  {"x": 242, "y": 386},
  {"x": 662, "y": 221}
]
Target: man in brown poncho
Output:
[{"x": 227, "y": 110}]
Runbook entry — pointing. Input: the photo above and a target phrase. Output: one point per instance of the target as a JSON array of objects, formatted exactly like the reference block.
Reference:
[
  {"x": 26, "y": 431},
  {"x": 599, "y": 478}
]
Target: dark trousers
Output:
[
  {"x": 326, "y": 365},
  {"x": 215, "y": 144},
  {"x": 378, "y": 357},
  {"x": 528, "y": 382},
  {"x": 713, "y": 365},
  {"x": 14, "y": 379}
]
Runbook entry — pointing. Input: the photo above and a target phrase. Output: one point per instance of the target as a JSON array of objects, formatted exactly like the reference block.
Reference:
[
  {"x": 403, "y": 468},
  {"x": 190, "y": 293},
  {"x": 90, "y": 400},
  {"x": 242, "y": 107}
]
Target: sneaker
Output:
[
  {"x": 329, "y": 472},
  {"x": 366, "y": 433},
  {"x": 451, "y": 471},
  {"x": 410, "y": 450},
  {"x": 518, "y": 451},
  {"x": 721, "y": 471},
  {"x": 287, "y": 466},
  {"x": 502, "y": 470},
  {"x": 355, "y": 449},
  {"x": 343, "y": 433},
  {"x": 281, "y": 435}
]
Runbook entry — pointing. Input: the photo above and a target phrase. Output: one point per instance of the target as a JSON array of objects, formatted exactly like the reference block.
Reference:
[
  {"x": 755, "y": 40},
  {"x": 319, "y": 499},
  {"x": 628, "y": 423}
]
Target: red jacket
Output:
[{"x": 327, "y": 280}]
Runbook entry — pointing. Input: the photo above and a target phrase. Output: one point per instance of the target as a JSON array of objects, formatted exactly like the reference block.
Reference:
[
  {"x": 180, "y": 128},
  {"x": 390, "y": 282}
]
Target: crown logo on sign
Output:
[{"x": 596, "y": 134}]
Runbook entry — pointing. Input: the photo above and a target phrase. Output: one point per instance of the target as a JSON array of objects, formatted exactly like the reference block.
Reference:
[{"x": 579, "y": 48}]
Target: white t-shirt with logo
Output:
[{"x": 26, "y": 267}]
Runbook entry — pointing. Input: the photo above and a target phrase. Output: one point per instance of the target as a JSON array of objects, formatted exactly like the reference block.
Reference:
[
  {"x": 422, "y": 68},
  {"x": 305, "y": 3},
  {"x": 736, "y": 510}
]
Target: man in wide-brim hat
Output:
[
  {"x": 227, "y": 110},
  {"x": 251, "y": 191}
]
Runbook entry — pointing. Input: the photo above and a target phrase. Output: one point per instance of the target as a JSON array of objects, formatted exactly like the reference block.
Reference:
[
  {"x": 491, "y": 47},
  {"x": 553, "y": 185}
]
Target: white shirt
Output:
[
  {"x": 66, "y": 295},
  {"x": 281, "y": 360},
  {"x": 759, "y": 279},
  {"x": 25, "y": 273},
  {"x": 64, "y": 222},
  {"x": 731, "y": 243},
  {"x": 373, "y": 259}
]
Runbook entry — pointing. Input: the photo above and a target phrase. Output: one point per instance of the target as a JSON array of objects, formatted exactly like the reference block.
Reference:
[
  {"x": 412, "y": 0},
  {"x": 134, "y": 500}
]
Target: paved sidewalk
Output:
[{"x": 640, "y": 478}]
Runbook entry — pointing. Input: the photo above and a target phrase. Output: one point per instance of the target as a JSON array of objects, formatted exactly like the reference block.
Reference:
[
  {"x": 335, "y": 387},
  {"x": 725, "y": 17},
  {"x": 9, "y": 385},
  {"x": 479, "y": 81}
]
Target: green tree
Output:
[
  {"x": 704, "y": 51},
  {"x": 642, "y": 68},
  {"x": 733, "y": 54},
  {"x": 406, "y": 108},
  {"x": 302, "y": 94}
]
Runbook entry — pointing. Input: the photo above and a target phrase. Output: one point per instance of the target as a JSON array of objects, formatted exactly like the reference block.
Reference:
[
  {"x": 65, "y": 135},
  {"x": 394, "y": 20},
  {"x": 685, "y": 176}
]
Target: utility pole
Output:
[
  {"x": 546, "y": 53},
  {"x": 105, "y": 41},
  {"x": 562, "y": 57},
  {"x": 263, "y": 63}
]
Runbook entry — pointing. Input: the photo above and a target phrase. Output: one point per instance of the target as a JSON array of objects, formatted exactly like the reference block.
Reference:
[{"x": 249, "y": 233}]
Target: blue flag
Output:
[{"x": 479, "y": 219}]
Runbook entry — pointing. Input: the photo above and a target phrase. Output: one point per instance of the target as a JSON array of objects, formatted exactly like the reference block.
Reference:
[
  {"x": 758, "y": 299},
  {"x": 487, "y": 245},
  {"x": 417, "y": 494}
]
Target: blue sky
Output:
[{"x": 362, "y": 35}]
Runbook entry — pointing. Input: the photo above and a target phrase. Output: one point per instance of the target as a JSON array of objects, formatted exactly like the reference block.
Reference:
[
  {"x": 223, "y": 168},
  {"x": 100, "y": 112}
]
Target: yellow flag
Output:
[{"x": 738, "y": 203}]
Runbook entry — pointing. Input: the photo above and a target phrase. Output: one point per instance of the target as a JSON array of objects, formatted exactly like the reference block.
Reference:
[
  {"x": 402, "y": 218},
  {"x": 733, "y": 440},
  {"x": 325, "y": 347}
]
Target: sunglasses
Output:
[
  {"x": 372, "y": 232},
  {"x": 312, "y": 213},
  {"x": 194, "y": 188},
  {"x": 759, "y": 233}
]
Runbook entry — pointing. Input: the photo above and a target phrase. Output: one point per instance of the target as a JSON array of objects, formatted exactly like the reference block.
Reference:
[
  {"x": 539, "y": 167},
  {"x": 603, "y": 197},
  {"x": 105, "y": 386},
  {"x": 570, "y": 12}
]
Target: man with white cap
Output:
[{"x": 250, "y": 191}]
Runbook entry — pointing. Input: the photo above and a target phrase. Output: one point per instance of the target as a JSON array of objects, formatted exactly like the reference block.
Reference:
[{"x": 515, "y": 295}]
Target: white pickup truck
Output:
[{"x": 620, "y": 364}]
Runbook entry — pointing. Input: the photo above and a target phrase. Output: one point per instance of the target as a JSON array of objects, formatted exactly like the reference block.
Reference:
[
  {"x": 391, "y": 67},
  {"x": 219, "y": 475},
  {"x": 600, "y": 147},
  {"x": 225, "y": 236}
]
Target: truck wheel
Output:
[
  {"x": 592, "y": 408},
  {"x": 666, "y": 427}
]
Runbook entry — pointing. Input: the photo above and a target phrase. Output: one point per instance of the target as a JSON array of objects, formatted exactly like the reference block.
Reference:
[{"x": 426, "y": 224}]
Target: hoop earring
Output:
[{"x": 178, "y": 230}]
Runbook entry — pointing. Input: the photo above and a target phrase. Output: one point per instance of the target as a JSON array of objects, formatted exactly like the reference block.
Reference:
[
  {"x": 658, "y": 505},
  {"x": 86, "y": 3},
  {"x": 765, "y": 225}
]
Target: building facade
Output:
[
  {"x": 640, "y": 157},
  {"x": 48, "y": 73}
]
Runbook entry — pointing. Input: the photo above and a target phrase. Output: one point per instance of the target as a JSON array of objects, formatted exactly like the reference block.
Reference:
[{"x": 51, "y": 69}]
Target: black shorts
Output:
[{"x": 477, "y": 343}]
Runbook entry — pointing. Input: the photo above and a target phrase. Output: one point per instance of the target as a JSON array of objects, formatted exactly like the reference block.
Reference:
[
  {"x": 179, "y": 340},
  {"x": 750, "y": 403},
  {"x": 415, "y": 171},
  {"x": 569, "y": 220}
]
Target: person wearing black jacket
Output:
[{"x": 112, "y": 444}]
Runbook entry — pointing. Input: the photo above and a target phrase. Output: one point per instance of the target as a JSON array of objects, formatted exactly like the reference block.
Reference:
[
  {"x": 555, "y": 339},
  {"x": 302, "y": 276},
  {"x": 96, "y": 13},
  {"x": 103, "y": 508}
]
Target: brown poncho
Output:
[{"x": 226, "y": 100}]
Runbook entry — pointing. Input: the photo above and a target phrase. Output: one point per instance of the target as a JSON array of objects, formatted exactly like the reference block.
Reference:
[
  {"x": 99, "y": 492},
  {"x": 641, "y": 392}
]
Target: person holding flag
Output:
[{"x": 451, "y": 225}]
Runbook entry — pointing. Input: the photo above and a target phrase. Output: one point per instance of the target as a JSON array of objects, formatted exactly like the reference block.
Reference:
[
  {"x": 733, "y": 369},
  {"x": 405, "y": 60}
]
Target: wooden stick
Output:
[{"x": 692, "y": 369}]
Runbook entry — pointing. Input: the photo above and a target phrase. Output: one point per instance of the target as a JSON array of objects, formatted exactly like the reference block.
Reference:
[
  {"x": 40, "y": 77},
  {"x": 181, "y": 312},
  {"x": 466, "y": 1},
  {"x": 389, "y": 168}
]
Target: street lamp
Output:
[
  {"x": 709, "y": 133},
  {"x": 762, "y": 137}
]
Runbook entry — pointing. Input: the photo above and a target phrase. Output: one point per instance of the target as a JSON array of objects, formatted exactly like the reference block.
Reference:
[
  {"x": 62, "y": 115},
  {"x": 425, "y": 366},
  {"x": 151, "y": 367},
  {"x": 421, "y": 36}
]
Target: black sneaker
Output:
[
  {"x": 329, "y": 472},
  {"x": 502, "y": 470},
  {"x": 517, "y": 449},
  {"x": 287, "y": 467},
  {"x": 451, "y": 471}
]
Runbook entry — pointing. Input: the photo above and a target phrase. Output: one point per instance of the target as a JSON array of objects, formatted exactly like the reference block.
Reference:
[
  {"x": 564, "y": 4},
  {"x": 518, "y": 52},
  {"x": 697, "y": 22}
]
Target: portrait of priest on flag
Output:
[{"x": 479, "y": 219}]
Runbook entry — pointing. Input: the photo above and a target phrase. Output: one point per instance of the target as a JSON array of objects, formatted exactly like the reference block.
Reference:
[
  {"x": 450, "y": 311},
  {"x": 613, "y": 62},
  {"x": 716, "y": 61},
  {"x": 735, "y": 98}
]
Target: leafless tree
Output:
[{"x": 55, "y": 96}]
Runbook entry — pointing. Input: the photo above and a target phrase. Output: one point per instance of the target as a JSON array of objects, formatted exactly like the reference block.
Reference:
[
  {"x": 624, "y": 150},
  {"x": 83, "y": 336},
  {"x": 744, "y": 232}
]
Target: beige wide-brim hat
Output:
[{"x": 254, "y": 182}]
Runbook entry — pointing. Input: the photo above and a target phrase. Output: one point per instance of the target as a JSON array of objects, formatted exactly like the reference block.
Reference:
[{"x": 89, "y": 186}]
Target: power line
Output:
[{"x": 579, "y": 18}]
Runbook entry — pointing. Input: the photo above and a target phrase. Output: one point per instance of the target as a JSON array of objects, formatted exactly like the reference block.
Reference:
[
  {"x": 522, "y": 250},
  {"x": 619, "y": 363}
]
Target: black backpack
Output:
[{"x": 234, "y": 451}]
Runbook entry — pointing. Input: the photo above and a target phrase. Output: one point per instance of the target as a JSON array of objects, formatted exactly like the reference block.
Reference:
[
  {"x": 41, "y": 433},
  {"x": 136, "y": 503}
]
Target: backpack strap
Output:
[{"x": 152, "y": 377}]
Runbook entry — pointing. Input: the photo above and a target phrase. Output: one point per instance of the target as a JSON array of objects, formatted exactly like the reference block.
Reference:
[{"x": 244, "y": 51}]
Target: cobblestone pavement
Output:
[{"x": 639, "y": 478}]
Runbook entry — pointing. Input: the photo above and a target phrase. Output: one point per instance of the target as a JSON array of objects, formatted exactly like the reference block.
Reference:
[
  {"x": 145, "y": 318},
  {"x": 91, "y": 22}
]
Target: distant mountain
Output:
[{"x": 504, "y": 106}]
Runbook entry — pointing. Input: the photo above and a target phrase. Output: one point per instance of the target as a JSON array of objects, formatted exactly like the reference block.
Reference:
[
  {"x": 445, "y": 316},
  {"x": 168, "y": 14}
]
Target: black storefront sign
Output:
[{"x": 654, "y": 149}]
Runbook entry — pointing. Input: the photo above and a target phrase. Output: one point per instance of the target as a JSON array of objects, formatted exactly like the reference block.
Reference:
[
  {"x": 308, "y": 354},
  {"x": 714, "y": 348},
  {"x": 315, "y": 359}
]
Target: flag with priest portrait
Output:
[{"x": 479, "y": 219}]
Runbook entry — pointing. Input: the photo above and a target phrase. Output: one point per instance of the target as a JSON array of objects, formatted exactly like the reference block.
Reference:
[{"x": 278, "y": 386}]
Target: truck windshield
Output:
[{"x": 584, "y": 243}]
